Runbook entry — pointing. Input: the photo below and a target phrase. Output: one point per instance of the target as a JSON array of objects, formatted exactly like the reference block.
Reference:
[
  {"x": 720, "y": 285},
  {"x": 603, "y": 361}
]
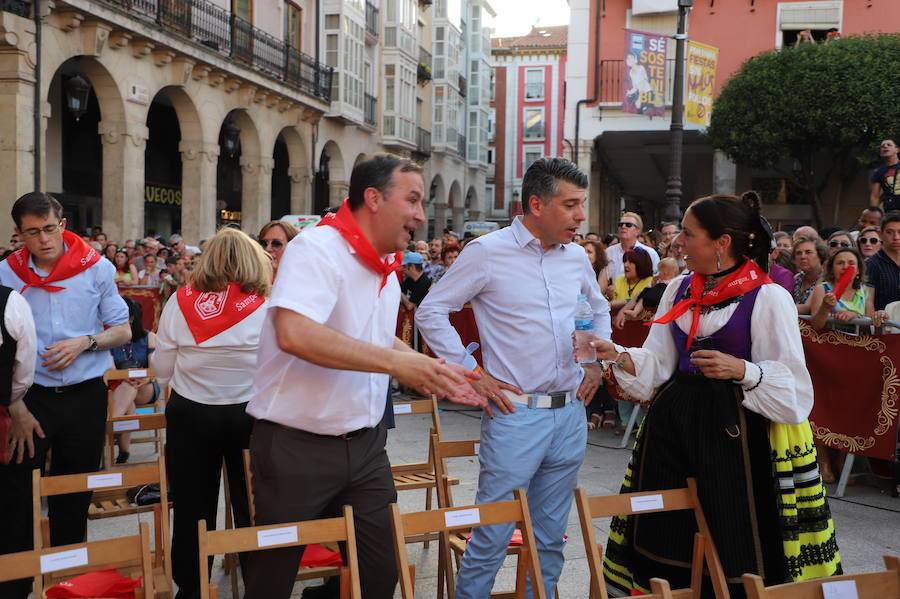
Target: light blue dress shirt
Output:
[
  {"x": 89, "y": 301},
  {"x": 524, "y": 301}
]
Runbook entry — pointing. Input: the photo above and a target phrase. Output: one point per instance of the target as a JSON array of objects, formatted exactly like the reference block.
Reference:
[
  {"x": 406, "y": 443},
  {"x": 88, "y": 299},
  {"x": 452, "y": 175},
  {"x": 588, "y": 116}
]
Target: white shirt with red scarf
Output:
[
  {"x": 217, "y": 371},
  {"x": 321, "y": 277}
]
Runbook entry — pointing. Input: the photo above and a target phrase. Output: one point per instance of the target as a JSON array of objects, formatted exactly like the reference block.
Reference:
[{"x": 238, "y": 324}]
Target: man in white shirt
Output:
[
  {"x": 523, "y": 282},
  {"x": 630, "y": 227},
  {"x": 325, "y": 353},
  {"x": 18, "y": 354}
]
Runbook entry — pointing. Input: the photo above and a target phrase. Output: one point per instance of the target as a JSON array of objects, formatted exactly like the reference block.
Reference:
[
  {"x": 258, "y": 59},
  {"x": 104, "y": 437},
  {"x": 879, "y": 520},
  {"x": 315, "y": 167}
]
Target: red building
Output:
[{"x": 529, "y": 106}]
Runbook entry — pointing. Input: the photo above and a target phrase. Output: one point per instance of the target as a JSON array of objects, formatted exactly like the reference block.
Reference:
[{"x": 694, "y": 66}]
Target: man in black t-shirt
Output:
[
  {"x": 885, "y": 179},
  {"x": 415, "y": 282}
]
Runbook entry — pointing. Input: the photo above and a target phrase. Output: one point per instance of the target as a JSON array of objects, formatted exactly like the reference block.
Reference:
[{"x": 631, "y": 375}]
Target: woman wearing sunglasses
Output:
[
  {"x": 868, "y": 242},
  {"x": 838, "y": 240},
  {"x": 274, "y": 237}
]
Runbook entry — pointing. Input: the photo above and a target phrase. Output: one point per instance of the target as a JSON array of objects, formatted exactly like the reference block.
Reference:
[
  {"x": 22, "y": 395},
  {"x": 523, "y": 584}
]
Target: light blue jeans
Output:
[{"x": 539, "y": 450}]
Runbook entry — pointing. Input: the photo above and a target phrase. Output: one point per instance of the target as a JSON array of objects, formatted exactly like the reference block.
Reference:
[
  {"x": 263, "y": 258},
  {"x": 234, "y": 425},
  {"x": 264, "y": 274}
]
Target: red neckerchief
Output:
[
  {"x": 346, "y": 225},
  {"x": 747, "y": 278},
  {"x": 208, "y": 314},
  {"x": 78, "y": 258}
]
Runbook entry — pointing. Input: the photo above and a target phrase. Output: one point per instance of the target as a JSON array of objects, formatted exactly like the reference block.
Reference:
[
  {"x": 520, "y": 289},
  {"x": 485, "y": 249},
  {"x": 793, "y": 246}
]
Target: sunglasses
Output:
[
  {"x": 627, "y": 225},
  {"x": 872, "y": 240},
  {"x": 836, "y": 244},
  {"x": 276, "y": 243}
]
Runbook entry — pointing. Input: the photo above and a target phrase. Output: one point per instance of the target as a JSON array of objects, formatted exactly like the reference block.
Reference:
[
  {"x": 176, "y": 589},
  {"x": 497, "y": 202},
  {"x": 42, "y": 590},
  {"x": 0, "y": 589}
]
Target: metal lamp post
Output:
[{"x": 672, "y": 210}]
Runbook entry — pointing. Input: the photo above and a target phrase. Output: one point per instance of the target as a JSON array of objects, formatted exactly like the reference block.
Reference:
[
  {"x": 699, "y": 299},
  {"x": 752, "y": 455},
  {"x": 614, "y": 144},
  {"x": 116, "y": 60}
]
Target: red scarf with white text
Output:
[
  {"x": 78, "y": 258},
  {"x": 208, "y": 314},
  {"x": 745, "y": 279},
  {"x": 349, "y": 229}
]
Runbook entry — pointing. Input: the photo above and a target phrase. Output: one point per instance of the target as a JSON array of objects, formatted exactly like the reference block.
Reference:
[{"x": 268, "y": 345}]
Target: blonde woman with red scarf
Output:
[
  {"x": 206, "y": 348},
  {"x": 730, "y": 393}
]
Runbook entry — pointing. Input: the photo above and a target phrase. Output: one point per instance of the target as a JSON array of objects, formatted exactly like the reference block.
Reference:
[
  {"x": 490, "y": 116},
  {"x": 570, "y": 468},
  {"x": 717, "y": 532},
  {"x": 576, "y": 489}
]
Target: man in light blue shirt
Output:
[
  {"x": 72, "y": 295},
  {"x": 523, "y": 283}
]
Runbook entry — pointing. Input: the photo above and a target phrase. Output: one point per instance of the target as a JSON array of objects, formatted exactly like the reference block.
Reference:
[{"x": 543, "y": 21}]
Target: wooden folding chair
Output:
[
  {"x": 457, "y": 541},
  {"x": 420, "y": 475},
  {"x": 884, "y": 584},
  {"x": 109, "y": 500},
  {"x": 230, "y": 561},
  {"x": 590, "y": 508},
  {"x": 157, "y": 438},
  {"x": 255, "y": 538},
  {"x": 133, "y": 423},
  {"x": 451, "y": 522},
  {"x": 129, "y": 555}
]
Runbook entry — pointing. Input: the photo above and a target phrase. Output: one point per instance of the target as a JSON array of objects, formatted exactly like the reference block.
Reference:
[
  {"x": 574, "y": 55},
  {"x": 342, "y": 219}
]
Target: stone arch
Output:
[
  {"x": 115, "y": 158},
  {"x": 359, "y": 158},
  {"x": 437, "y": 191},
  {"x": 291, "y": 175},
  {"x": 471, "y": 199},
  {"x": 336, "y": 171},
  {"x": 454, "y": 197}
]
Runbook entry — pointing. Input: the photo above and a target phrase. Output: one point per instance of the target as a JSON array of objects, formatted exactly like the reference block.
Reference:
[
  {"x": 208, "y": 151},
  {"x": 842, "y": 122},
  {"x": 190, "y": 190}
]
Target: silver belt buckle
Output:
[{"x": 552, "y": 401}]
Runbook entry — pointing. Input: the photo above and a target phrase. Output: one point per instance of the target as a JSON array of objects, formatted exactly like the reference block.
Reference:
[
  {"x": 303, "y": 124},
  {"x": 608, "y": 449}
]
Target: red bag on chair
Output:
[
  {"x": 5, "y": 423},
  {"x": 106, "y": 583},
  {"x": 317, "y": 556}
]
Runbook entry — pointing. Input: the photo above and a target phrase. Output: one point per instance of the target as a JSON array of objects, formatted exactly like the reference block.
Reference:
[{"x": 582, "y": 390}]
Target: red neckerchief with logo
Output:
[
  {"x": 347, "y": 226},
  {"x": 208, "y": 314},
  {"x": 78, "y": 258},
  {"x": 745, "y": 279}
]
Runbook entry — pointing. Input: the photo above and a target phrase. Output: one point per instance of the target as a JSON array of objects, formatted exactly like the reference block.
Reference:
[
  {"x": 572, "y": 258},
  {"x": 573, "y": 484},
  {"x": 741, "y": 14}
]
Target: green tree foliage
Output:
[{"x": 824, "y": 107}]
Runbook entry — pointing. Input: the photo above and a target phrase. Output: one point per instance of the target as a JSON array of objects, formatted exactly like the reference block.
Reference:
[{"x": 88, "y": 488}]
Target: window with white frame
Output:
[
  {"x": 533, "y": 123},
  {"x": 437, "y": 125},
  {"x": 800, "y": 21},
  {"x": 534, "y": 84},
  {"x": 529, "y": 155},
  {"x": 353, "y": 67}
]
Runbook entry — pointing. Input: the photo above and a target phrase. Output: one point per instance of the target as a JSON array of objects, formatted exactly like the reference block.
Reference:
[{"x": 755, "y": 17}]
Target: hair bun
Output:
[{"x": 752, "y": 200}]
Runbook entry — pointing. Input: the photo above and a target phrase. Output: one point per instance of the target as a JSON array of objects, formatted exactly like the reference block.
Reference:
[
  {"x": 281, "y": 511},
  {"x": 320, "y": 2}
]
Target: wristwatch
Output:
[{"x": 92, "y": 343}]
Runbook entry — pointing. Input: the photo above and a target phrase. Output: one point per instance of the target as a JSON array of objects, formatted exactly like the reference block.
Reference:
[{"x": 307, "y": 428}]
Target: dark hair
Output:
[
  {"x": 891, "y": 217},
  {"x": 173, "y": 259},
  {"x": 136, "y": 314},
  {"x": 608, "y": 239},
  {"x": 36, "y": 203},
  {"x": 740, "y": 218},
  {"x": 877, "y": 209},
  {"x": 860, "y": 277},
  {"x": 377, "y": 171},
  {"x": 543, "y": 176},
  {"x": 601, "y": 261},
  {"x": 643, "y": 266}
]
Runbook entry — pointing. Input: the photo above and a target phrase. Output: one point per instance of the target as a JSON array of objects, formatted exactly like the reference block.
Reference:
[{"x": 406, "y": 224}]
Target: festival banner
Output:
[
  {"x": 701, "y": 81},
  {"x": 857, "y": 390},
  {"x": 644, "y": 76}
]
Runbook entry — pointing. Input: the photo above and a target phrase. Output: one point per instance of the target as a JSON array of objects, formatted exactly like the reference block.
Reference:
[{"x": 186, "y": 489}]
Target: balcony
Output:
[
  {"x": 399, "y": 131},
  {"x": 612, "y": 82},
  {"x": 21, "y": 8},
  {"x": 462, "y": 85},
  {"x": 398, "y": 37},
  {"x": 221, "y": 31},
  {"x": 369, "y": 104},
  {"x": 423, "y": 71},
  {"x": 423, "y": 142},
  {"x": 371, "y": 21},
  {"x": 461, "y": 145}
]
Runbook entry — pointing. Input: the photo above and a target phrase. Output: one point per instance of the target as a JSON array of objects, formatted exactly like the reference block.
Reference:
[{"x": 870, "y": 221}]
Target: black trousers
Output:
[
  {"x": 302, "y": 476},
  {"x": 73, "y": 423},
  {"x": 198, "y": 438}
]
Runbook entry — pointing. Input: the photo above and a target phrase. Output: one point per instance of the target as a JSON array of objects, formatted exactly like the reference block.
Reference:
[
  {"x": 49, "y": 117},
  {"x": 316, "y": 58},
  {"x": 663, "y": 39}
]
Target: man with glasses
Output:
[
  {"x": 73, "y": 297},
  {"x": 629, "y": 228}
]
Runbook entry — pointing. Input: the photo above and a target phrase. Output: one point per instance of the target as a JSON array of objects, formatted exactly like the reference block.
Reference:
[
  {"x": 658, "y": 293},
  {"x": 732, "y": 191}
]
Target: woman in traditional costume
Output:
[{"x": 731, "y": 395}]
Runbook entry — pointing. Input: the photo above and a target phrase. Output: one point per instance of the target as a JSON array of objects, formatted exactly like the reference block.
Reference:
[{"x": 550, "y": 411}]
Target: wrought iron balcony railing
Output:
[
  {"x": 21, "y": 8},
  {"x": 369, "y": 109},
  {"x": 371, "y": 19},
  {"x": 231, "y": 36}
]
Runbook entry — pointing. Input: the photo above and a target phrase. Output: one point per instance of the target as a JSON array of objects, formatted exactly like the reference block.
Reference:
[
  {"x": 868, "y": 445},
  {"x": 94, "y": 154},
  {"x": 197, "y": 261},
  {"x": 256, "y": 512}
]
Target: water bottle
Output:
[{"x": 584, "y": 331}]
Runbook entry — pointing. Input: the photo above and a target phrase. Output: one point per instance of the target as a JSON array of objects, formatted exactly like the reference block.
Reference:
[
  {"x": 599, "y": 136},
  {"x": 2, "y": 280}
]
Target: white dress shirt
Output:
[
  {"x": 218, "y": 371},
  {"x": 320, "y": 277},
  {"x": 614, "y": 254},
  {"x": 785, "y": 393},
  {"x": 524, "y": 301},
  {"x": 20, "y": 326}
]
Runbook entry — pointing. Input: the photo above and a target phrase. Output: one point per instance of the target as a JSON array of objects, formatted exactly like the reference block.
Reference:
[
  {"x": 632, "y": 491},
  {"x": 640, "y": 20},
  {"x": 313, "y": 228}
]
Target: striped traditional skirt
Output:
[{"x": 757, "y": 481}]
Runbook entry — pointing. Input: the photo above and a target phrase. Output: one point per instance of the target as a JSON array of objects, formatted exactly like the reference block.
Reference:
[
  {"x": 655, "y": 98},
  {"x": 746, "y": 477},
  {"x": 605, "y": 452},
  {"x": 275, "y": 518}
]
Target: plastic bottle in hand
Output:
[{"x": 584, "y": 331}]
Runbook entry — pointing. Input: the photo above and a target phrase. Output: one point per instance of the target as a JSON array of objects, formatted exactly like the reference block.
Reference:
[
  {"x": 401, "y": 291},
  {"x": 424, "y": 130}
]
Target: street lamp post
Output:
[{"x": 672, "y": 211}]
